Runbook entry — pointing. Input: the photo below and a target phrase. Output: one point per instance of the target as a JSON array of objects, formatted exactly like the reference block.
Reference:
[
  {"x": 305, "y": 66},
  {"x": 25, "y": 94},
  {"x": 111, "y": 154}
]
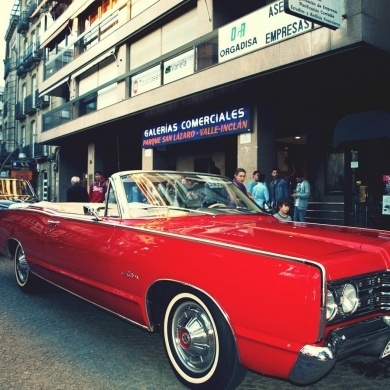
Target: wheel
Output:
[
  {"x": 27, "y": 281},
  {"x": 217, "y": 205},
  {"x": 200, "y": 345}
]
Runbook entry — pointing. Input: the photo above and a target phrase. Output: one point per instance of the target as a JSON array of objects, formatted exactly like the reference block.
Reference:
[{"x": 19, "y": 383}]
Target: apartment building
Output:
[{"x": 184, "y": 84}]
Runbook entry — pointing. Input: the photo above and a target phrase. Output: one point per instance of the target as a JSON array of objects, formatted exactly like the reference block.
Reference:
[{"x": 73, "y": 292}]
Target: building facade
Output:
[{"x": 188, "y": 84}]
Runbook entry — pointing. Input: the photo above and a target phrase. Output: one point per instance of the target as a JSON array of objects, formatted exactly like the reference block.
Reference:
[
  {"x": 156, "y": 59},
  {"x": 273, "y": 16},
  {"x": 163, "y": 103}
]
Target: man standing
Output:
[
  {"x": 255, "y": 180},
  {"x": 301, "y": 196},
  {"x": 98, "y": 188},
  {"x": 76, "y": 192},
  {"x": 278, "y": 188}
]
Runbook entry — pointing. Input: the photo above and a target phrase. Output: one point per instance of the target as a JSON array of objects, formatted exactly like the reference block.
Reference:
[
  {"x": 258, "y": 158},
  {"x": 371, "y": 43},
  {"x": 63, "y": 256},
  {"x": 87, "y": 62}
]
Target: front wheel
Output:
[
  {"x": 27, "y": 281},
  {"x": 200, "y": 345}
]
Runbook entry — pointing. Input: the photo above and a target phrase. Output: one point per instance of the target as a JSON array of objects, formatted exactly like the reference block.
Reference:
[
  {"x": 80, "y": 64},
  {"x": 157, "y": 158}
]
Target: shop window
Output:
[{"x": 207, "y": 54}]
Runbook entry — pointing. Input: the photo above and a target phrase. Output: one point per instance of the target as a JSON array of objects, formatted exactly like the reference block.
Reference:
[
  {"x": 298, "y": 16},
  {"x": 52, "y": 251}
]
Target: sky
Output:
[{"x": 5, "y": 14}]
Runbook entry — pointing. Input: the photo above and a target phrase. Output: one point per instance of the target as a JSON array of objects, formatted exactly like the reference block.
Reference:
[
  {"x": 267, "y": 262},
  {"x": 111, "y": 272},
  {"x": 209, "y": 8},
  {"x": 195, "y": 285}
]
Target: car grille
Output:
[{"x": 373, "y": 292}]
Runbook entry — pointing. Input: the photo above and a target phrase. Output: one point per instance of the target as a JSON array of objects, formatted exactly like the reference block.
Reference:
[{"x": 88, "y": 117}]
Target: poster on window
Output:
[
  {"x": 386, "y": 195},
  {"x": 386, "y": 184},
  {"x": 386, "y": 205}
]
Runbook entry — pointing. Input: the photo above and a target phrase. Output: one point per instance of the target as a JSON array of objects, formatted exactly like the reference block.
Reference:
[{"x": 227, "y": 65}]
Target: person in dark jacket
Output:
[
  {"x": 76, "y": 192},
  {"x": 239, "y": 179},
  {"x": 278, "y": 188}
]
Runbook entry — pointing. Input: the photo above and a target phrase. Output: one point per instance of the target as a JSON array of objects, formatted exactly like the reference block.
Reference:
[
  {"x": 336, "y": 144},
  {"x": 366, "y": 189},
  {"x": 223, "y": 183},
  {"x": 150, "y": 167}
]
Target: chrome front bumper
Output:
[{"x": 369, "y": 338}]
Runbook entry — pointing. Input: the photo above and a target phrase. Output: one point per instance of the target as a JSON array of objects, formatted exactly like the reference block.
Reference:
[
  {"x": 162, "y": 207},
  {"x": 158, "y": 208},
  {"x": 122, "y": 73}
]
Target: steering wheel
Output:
[{"x": 216, "y": 205}]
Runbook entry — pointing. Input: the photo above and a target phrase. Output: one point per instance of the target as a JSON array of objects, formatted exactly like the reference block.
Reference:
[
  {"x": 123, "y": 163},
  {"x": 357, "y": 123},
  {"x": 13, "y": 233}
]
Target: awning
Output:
[
  {"x": 55, "y": 34},
  {"x": 82, "y": 8},
  {"x": 96, "y": 61},
  {"x": 362, "y": 126},
  {"x": 40, "y": 5},
  {"x": 56, "y": 89}
]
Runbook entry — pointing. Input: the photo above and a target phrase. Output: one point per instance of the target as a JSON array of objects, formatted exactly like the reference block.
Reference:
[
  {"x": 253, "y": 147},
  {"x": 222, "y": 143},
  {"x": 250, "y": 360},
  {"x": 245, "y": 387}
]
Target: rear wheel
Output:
[
  {"x": 200, "y": 345},
  {"x": 27, "y": 281}
]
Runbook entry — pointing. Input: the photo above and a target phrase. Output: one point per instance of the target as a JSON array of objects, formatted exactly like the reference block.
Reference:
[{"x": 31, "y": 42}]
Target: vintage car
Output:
[
  {"x": 15, "y": 191},
  {"x": 229, "y": 287}
]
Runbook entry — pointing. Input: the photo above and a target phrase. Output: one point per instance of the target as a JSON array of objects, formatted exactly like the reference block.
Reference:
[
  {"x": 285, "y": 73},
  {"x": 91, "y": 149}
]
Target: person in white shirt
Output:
[
  {"x": 301, "y": 196},
  {"x": 260, "y": 192}
]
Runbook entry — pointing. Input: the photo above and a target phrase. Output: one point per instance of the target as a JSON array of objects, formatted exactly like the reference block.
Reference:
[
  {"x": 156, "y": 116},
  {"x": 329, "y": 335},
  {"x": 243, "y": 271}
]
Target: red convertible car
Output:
[{"x": 229, "y": 287}]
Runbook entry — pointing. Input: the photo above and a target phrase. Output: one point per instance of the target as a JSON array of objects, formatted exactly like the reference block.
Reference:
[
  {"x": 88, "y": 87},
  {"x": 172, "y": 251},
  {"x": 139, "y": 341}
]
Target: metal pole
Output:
[{"x": 2, "y": 165}]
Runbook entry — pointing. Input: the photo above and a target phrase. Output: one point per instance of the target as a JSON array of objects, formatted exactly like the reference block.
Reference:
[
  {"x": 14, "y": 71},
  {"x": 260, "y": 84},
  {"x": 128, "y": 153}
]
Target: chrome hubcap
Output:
[
  {"x": 193, "y": 337},
  {"x": 22, "y": 268}
]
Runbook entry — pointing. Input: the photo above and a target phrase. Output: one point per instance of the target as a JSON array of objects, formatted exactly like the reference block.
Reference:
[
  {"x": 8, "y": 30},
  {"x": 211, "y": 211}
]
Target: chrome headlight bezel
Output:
[
  {"x": 342, "y": 300},
  {"x": 331, "y": 305},
  {"x": 349, "y": 299}
]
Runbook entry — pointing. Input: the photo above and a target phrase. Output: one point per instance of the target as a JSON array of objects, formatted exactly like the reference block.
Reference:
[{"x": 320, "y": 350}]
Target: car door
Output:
[{"x": 76, "y": 255}]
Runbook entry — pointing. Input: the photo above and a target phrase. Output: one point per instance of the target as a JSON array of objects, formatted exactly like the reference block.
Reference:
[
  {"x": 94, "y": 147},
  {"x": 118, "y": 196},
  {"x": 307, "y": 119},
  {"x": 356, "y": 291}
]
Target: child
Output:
[{"x": 283, "y": 206}]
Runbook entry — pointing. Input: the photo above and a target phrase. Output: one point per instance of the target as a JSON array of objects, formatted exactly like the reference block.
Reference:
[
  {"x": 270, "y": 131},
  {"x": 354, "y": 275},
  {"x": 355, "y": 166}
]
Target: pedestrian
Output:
[
  {"x": 239, "y": 179},
  {"x": 283, "y": 207},
  {"x": 301, "y": 197},
  {"x": 255, "y": 180},
  {"x": 98, "y": 188},
  {"x": 278, "y": 188},
  {"x": 76, "y": 192},
  {"x": 260, "y": 193},
  {"x": 212, "y": 168}
]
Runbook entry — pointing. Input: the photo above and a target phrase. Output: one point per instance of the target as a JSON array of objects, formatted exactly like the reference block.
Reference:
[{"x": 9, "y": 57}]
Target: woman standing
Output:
[{"x": 239, "y": 178}]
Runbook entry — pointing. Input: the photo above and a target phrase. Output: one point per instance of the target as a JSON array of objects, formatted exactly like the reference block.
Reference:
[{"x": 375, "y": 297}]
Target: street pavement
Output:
[{"x": 54, "y": 341}]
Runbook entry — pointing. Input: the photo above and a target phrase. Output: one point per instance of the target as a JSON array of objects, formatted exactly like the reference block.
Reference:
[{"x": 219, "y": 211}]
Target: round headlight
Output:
[
  {"x": 349, "y": 299},
  {"x": 331, "y": 306}
]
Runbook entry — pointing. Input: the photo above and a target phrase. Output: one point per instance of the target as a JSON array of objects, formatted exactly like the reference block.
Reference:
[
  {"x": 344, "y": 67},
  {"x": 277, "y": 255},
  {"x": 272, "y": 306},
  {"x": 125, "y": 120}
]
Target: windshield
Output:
[{"x": 184, "y": 191}]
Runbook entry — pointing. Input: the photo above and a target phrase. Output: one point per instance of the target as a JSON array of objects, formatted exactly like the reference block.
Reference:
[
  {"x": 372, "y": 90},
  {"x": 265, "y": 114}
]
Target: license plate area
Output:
[{"x": 386, "y": 351}]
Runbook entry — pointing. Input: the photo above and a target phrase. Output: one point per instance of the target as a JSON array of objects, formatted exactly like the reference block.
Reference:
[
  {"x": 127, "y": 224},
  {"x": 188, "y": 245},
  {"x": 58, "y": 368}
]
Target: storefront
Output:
[{"x": 364, "y": 139}]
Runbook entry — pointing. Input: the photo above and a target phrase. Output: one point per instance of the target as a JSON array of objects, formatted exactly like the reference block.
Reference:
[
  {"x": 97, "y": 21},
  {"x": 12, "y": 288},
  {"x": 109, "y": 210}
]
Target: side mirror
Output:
[{"x": 91, "y": 210}]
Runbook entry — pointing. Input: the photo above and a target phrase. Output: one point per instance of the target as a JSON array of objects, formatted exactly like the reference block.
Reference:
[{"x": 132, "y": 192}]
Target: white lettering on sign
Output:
[{"x": 259, "y": 29}]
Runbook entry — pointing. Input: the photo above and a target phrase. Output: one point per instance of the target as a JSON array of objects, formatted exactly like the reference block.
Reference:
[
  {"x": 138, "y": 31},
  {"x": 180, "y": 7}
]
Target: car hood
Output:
[{"x": 364, "y": 249}]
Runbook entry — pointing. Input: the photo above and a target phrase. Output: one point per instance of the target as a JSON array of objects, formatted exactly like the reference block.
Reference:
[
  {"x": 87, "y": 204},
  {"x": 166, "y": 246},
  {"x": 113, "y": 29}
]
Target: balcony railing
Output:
[
  {"x": 30, "y": 104},
  {"x": 84, "y": 42},
  {"x": 31, "y": 7},
  {"x": 58, "y": 61},
  {"x": 23, "y": 23},
  {"x": 32, "y": 55},
  {"x": 20, "y": 113},
  {"x": 21, "y": 69},
  {"x": 57, "y": 117},
  {"x": 43, "y": 101},
  {"x": 205, "y": 56},
  {"x": 40, "y": 150}
]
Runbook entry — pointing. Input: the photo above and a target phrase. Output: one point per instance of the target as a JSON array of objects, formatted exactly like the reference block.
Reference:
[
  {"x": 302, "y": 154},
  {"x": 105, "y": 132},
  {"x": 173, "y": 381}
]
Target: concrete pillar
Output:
[{"x": 256, "y": 150}]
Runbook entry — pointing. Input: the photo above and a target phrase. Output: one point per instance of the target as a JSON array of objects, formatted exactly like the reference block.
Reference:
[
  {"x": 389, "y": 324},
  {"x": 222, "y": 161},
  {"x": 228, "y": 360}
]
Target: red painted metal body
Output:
[{"x": 265, "y": 276}]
